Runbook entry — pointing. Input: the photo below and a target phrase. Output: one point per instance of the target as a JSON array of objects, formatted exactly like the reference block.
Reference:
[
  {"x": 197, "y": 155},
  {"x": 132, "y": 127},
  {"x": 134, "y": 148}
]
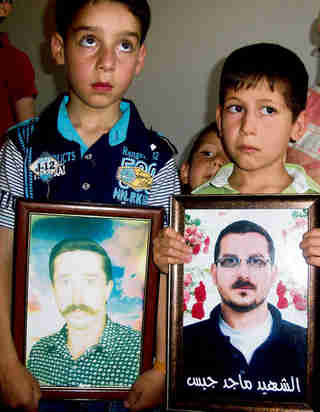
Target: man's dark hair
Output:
[
  {"x": 280, "y": 67},
  {"x": 242, "y": 227},
  {"x": 70, "y": 245},
  {"x": 66, "y": 10}
]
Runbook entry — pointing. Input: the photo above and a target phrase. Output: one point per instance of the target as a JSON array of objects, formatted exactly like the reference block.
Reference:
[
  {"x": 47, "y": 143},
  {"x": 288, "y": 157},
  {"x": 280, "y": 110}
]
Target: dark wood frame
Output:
[
  {"x": 25, "y": 209},
  {"x": 175, "y": 304}
]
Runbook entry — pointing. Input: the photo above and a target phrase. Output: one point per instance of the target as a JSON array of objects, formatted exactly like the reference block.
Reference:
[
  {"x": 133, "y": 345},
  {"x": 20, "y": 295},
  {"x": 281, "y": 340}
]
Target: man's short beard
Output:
[{"x": 242, "y": 308}]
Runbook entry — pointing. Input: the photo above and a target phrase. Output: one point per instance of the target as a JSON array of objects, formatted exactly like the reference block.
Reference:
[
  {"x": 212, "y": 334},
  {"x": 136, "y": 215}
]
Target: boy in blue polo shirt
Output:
[{"x": 88, "y": 145}]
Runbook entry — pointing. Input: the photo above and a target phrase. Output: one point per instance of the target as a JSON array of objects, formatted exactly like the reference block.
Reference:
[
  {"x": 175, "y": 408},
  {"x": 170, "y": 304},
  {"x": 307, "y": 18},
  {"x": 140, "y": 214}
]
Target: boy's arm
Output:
[
  {"x": 25, "y": 109},
  {"x": 310, "y": 246},
  {"x": 169, "y": 247},
  {"x": 148, "y": 390},
  {"x": 18, "y": 387}
]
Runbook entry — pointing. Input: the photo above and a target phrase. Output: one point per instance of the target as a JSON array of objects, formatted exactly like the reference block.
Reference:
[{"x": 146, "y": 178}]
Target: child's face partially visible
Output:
[
  {"x": 5, "y": 8},
  {"x": 256, "y": 126},
  {"x": 102, "y": 54},
  {"x": 205, "y": 162}
]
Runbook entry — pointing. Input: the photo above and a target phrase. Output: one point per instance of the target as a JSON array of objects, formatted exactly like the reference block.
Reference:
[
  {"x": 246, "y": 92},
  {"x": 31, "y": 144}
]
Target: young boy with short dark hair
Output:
[
  {"x": 206, "y": 157},
  {"x": 263, "y": 93},
  {"x": 262, "y": 100},
  {"x": 88, "y": 145}
]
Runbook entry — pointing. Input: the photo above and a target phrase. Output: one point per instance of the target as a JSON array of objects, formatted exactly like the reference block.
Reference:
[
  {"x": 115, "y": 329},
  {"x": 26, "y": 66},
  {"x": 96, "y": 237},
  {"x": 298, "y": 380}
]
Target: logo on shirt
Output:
[
  {"x": 46, "y": 167},
  {"x": 134, "y": 177}
]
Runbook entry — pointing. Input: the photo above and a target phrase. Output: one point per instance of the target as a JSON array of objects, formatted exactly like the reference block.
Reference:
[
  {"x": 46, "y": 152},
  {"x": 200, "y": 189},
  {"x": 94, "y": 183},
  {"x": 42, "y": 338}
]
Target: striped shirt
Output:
[{"x": 45, "y": 159}]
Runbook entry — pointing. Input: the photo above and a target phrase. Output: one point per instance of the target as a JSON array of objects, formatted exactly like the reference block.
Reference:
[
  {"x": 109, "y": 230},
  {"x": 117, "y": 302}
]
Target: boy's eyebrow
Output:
[
  {"x": 262, "y": 100},
  {"x": 95, "y": 29}
]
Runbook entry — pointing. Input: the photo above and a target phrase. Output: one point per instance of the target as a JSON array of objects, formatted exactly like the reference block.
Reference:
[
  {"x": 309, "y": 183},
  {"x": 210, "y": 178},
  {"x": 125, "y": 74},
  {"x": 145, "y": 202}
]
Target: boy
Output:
[
  {"x": 262, "y": 100},
  {"x": 206, "y": 157},
  {"x": 89, "y": 145},
  {"x": 17, "y": 80}
]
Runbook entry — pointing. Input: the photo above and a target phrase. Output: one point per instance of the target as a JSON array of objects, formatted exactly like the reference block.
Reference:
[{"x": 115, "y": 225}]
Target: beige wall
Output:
[{"x": 176, "y": 93}]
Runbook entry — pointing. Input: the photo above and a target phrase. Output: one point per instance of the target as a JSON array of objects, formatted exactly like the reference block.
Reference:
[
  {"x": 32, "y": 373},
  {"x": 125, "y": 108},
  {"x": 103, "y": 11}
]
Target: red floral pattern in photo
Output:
[
  {"x": 293, "y": 296},
  {"x": 200, "y": 292},
  {"x": 197, "y": 310},
  {"x": 197, "y": 290},
  {"x": 197, "y": 239}
]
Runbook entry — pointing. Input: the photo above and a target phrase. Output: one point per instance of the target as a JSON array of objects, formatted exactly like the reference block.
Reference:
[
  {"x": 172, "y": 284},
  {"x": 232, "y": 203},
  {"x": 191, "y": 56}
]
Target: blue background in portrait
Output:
[{"x": 47, "y": 231}]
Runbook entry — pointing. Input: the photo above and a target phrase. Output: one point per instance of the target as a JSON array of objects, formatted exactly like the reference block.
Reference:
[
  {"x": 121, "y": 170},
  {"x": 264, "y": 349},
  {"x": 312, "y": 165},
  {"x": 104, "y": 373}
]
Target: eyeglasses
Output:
[{"x": 253, "y": 262}]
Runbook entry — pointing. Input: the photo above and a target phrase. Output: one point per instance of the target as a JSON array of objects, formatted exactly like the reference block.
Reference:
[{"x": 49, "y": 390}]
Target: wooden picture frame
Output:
[
  {"x": 80, "y": 353},
  {"x": 202, "y": 364}
]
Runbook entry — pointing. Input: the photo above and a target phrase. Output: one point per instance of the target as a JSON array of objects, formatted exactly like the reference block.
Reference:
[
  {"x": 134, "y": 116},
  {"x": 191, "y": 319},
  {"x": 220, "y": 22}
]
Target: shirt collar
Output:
[
  {"x": 221, "y": 179},
  {"x": 261, "y": 330},
  {"x": 116, "y": 135},
  {"x": 299, "y": 184},
  {"x": 58, "y": 342}
]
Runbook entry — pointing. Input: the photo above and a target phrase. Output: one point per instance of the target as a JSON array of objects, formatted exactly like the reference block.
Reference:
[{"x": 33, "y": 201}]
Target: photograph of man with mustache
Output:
[
  {"x": 245, "y": 349},
  {"x": 90, "y": 349}
]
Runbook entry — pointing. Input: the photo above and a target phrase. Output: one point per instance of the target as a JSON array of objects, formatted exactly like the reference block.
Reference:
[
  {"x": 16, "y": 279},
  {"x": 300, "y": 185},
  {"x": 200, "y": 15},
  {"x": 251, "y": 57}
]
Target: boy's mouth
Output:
[
  {"x": 247, "y": 149},
  {"x": 102, "y": 86}
]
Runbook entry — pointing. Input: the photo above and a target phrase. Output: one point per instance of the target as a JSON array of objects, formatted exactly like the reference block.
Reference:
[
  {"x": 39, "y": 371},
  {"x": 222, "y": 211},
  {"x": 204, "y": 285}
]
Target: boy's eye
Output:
[
  {"x": 88, "y": 41},
  {"x": 207, "y": 154},
  {"x": 234, "y": 108},
  {"x": 268, "y": 110},
  {"x": 126, "y": 46}
]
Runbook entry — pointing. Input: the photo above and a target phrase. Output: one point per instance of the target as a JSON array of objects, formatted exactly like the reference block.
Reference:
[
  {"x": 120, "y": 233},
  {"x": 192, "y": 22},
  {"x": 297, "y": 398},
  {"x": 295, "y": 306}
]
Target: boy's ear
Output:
[
  {"x": 141, "y": 56},
  {"x": 184, "y": 173},
  {"x": 298, "y": 127},
  {"x": 57, "y": 48},
  {"x": 219, "y": 119}
]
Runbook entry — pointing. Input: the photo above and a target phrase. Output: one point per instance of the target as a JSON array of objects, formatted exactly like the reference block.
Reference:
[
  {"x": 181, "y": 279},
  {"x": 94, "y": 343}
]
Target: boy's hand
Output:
[
  {"x": 310, "y": 246},
  {"x": 19, "y": 389},
  {"x": 170, "y": 247},
  {"x": 147, "y": 391}
]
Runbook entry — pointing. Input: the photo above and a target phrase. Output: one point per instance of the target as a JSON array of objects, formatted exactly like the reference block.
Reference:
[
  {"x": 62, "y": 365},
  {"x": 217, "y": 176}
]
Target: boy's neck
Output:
[
  {"x": 91, "y": 124},
  {"x": 273, "y": 180}
]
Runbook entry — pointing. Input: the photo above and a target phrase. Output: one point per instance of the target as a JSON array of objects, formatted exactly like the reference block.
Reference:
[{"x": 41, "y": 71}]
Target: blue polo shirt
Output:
[
  {"x": 117, "y": 134},
  {"x": 46, "y": 159}
]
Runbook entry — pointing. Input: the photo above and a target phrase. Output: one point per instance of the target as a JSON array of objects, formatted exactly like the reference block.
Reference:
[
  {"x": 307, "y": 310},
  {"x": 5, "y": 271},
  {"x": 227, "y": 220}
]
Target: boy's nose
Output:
[
  {"x": 248, "y": 123},
  {"x": 218, "y": 161},
  {"x": 106, "y": 59},
  {"x": 215, "y": 164}
]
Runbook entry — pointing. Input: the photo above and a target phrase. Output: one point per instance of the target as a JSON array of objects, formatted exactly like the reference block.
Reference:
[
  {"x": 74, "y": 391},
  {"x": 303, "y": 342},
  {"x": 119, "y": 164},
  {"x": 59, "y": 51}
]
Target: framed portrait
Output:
[
  {"x": 85, "y": 296},
  {"x": 243, "y": 310}
]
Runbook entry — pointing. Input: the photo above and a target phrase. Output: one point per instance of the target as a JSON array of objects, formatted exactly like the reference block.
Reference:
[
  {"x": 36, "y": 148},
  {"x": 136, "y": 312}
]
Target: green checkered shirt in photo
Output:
[{"x": 113, "y": 362}]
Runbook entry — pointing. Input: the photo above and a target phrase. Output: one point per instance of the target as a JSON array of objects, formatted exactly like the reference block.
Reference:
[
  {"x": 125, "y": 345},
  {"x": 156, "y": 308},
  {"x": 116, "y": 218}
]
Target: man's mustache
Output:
[
  {"x": 82, "y": 307},
  {"x": 243, "y": 284}
]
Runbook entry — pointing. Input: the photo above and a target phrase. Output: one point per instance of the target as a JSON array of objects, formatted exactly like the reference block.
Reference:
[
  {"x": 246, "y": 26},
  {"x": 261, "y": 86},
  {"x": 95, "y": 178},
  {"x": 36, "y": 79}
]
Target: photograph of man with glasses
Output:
[{"x": 245, "y": 349}]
